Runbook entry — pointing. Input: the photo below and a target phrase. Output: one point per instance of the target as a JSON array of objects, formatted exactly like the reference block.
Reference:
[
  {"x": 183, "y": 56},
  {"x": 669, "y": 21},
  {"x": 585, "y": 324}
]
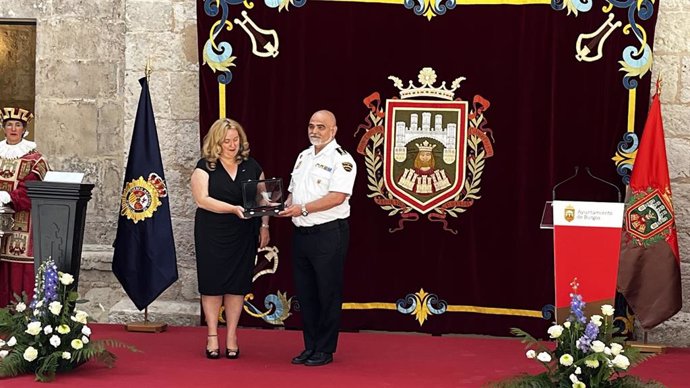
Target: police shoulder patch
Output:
[{"x": 347, "y": 166}]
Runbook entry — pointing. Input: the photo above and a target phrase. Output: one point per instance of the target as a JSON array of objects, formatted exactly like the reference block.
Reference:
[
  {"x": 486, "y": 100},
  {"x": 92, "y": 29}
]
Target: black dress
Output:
[{"x": 226, "y": 244}]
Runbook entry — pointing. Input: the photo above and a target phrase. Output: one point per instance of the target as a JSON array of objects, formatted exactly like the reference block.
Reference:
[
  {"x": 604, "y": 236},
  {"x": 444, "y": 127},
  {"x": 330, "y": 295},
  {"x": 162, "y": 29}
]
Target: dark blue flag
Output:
[{"x": 144, "y": 261}]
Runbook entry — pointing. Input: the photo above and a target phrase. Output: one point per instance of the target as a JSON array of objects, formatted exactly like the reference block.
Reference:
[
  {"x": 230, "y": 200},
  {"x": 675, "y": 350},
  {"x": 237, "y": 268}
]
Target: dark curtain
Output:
[{"x": 548, "y": 113}]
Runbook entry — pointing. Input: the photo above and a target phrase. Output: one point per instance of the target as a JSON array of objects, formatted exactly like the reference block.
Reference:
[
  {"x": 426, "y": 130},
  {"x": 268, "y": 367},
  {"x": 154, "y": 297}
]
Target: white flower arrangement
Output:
[
  {"x": 49, "y": 335},
  {"x": 586, "y": 353}
]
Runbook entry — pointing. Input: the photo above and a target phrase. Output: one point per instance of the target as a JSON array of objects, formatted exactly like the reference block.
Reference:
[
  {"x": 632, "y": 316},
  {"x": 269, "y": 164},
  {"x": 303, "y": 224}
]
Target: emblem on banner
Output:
[
  {"x": 569, "y": 213},
  {"x": 425, "y": 152},
  {"x": 141, "y": 198},
  {"x": 649, "y": 217}
]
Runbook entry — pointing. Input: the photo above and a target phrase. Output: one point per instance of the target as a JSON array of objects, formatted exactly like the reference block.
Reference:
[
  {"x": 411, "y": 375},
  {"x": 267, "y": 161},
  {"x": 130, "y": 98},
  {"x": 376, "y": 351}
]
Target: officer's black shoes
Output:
[
  {"x": 319, "y": 358},
  {"x": 303, "y": 357}
]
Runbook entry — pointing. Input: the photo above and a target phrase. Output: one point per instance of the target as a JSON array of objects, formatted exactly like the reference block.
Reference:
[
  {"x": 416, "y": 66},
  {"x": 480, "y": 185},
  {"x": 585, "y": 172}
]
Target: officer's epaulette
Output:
[{"x": 341, "y": 151}]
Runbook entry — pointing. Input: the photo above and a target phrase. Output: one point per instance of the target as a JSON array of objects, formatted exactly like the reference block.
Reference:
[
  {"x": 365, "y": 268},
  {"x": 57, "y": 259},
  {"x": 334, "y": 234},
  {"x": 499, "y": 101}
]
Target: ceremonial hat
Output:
[{"x": 19, "y": 114}]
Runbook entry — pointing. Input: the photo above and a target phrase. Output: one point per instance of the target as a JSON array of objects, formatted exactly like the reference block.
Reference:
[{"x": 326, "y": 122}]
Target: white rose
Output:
[
  {"x": 86, "y": 330},
  {"x": 33, "y": 328},
  {"x": 566, "y": 360},
  {"x": 37, "y": 313},
  {"x": 66, "y": 278},
  {"x": 76, "y": 344},
  {"x": 544, "y": 357},
  {"x": 578, "y": 370},
  {"x": 55, "y": 307},
  {"x": 80, "y": 316},
  {"x": 555, "y": 331},
  {"x": 66, "y": 355},
  {"x": 596, "y": 319},
  {"x": 2, "y": 342},
  {"x": 48, "y": 330},
  {"x": 30, "y": 354},
  {"x": 593, "y": 363},
  {"x": 55, "y": 341},
  {"x": 579, "y": 384},
  {"x": 20, "y": 307},
  {"x": 85, "y": 339},
  {"x": 12, "y": 342},
  {"x": 4, "y": 353},
  {"x": 621, "y": 362},
  {"x": 566, "y": 324},
  {"x": 616, "y": 348},
  {"x": 607, "y": 310},
  {"x": 531, "y": 354},
  {"x": 573, "y": 378},
  {"x": 598, "y": 346}
]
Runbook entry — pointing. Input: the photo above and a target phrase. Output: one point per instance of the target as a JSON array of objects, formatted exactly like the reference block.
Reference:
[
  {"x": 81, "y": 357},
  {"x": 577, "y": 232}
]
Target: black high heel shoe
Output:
[
  {"x": 213, "y": 354},
  {"x": 232, "y": 353}
]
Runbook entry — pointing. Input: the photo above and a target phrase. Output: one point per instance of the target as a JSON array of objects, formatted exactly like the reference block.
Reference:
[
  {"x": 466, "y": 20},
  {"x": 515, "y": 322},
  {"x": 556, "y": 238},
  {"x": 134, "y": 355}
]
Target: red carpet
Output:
[{"x": 176, "y": 359}]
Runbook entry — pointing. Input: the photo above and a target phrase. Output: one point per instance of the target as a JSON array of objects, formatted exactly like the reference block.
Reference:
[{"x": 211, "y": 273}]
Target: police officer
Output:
[{"x": 318, "y": 203}]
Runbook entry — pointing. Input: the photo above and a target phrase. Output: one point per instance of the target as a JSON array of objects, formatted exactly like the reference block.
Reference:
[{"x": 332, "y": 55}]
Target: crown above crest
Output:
[
  {"x": 19, "y": 114},
  {"x": 427, "y": 79},
  {"x": 425, "y": 146}
]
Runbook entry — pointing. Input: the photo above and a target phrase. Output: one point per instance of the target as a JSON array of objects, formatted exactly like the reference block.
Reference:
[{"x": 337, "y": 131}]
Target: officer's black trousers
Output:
[{"x": 318, "y": 259}]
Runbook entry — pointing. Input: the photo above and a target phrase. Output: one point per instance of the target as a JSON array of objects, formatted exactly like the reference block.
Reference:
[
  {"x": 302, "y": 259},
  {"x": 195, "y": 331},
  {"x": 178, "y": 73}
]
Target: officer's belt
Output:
[{"x": 331, "y": 225}]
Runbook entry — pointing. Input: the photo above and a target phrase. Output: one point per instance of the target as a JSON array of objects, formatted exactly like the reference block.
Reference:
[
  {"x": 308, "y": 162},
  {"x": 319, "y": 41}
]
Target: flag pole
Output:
[
  {"x": 646, "y": 347},
  {"x": 147, "y": 326}
]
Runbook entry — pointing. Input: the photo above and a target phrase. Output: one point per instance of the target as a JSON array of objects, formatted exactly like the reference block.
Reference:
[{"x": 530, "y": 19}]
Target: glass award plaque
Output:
[{"x": 262, "y": 197}]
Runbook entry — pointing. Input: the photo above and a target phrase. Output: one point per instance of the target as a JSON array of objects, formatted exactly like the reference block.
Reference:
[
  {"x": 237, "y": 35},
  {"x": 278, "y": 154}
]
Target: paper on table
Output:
[{"x": 63, "y": 176}]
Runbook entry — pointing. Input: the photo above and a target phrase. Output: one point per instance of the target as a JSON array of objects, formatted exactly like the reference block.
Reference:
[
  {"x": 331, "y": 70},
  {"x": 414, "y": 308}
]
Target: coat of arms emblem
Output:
[
  {"x": 569, "y": 213},
  {"x": 649, "y": 216},
  {"x": 425, "y": 156},
  {"x": 140, "y": 198}
]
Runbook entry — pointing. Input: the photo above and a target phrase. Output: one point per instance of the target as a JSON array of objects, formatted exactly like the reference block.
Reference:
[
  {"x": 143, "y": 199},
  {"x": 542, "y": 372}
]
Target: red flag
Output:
[{"x": 649, "y": 270}]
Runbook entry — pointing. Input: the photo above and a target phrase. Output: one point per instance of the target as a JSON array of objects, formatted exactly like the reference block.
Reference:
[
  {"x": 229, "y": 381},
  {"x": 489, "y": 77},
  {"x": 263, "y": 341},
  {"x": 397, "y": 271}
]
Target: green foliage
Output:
[
  {"x": 13, "y": 364},
  {"x": 49, "y": 335},
  {"x": 525, "y": 381}
]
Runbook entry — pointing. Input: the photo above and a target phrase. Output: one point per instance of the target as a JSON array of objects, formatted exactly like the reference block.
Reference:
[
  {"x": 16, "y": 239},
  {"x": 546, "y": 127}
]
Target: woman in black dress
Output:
[{"x": 225, "y": 241}]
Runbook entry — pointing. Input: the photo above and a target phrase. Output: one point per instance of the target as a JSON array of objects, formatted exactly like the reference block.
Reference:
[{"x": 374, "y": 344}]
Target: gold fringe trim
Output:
[{"x": 451, "y": 308}]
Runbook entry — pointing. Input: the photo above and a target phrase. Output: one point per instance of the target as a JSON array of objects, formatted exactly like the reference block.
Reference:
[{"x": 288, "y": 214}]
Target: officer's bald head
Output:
[
  {"x": 322, "y": 128},
  {"x": 325, "y": 116}
]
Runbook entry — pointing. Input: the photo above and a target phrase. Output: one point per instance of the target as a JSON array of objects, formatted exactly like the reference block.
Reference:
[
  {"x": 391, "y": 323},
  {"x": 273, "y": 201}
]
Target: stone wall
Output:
[
  {"x": 89, "y": 57},
  {"x": 87, "y": 93},
  {"x": 79, "y": 105},
  {"x": 164, "y": 32}
]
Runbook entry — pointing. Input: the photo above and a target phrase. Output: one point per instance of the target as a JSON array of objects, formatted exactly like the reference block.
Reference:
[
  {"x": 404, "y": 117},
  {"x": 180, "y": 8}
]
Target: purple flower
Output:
[
  {"x": 577, "y": 306},
  {"x": 51, "y": 282},
  {"x": 585, "y": 342},
  {"x": 45, "y": 288}
]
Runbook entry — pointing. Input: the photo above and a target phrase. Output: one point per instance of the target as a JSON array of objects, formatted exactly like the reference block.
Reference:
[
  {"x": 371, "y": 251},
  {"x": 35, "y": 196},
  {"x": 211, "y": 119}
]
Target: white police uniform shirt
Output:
[{"x": 315, "y": 175}]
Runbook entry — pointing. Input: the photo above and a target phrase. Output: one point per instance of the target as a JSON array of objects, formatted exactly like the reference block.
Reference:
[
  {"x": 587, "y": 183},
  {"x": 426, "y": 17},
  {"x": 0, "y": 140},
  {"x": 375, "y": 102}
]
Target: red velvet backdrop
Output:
[{"x": 549, "y": 113}]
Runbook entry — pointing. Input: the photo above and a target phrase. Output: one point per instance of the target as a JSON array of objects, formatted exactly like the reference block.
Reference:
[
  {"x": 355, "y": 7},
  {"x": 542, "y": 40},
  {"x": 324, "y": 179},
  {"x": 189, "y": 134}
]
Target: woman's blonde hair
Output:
[{"x": 212, "y": 147}]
